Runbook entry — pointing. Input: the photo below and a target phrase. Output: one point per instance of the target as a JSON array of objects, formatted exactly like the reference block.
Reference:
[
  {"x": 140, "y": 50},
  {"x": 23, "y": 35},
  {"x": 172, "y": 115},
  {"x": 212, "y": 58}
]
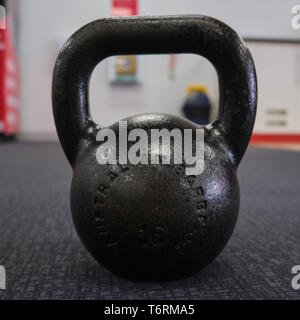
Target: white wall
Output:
[
  {"x": 45, "y": 25},
  {"x": 278, "y": 81},
  {"x": 251, "y": 18}
]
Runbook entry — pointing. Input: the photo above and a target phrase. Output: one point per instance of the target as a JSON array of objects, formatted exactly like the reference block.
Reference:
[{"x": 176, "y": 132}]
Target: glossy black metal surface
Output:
[{"x": 153, "y": 222}]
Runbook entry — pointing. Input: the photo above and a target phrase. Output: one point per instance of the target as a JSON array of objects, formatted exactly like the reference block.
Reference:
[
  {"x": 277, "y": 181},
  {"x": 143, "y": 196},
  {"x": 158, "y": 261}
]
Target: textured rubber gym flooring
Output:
[{"x": 44, "y": 258}]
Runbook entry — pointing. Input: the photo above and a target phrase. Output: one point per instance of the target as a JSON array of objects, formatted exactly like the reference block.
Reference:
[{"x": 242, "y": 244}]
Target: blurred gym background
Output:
[
  {"x": 38, "y": 29},
  {"x": 42, "y": 254}
]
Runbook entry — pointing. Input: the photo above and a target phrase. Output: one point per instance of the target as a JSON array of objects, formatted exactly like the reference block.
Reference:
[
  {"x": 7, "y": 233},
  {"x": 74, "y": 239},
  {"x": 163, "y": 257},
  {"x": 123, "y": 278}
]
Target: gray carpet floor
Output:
[{"x": 44, "y": 258}]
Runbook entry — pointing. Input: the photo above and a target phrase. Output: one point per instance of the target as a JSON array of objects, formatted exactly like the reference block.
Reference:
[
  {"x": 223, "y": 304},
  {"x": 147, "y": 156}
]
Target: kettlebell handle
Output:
[{"x": 196, "y": 34}]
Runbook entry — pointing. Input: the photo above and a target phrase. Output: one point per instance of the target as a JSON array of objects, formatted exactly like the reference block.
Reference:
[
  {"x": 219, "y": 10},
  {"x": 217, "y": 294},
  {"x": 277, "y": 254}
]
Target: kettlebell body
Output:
[{"x": 152, "y": 221}]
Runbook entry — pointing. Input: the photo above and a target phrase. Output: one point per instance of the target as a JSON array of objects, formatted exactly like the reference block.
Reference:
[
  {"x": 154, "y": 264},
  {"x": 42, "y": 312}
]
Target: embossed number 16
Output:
[{"x": 151, "y": 236}]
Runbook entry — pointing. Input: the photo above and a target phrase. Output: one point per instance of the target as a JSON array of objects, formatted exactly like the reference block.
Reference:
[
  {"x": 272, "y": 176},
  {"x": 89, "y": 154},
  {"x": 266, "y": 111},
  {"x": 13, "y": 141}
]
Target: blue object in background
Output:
[{"x": 197, "y": 105}]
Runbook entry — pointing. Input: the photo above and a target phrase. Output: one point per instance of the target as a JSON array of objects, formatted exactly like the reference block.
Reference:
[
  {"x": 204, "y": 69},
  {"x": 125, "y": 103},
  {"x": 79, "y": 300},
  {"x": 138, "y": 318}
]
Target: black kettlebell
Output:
[{"x": 154, "y": 222}]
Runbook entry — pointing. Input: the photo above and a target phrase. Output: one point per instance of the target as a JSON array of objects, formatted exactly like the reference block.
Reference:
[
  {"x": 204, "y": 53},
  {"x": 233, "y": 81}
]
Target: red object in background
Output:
[
  {"x": 9, "y": 85},
  {"x": 124, "y": 7},
  {"x": 275, "y": 138}
]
